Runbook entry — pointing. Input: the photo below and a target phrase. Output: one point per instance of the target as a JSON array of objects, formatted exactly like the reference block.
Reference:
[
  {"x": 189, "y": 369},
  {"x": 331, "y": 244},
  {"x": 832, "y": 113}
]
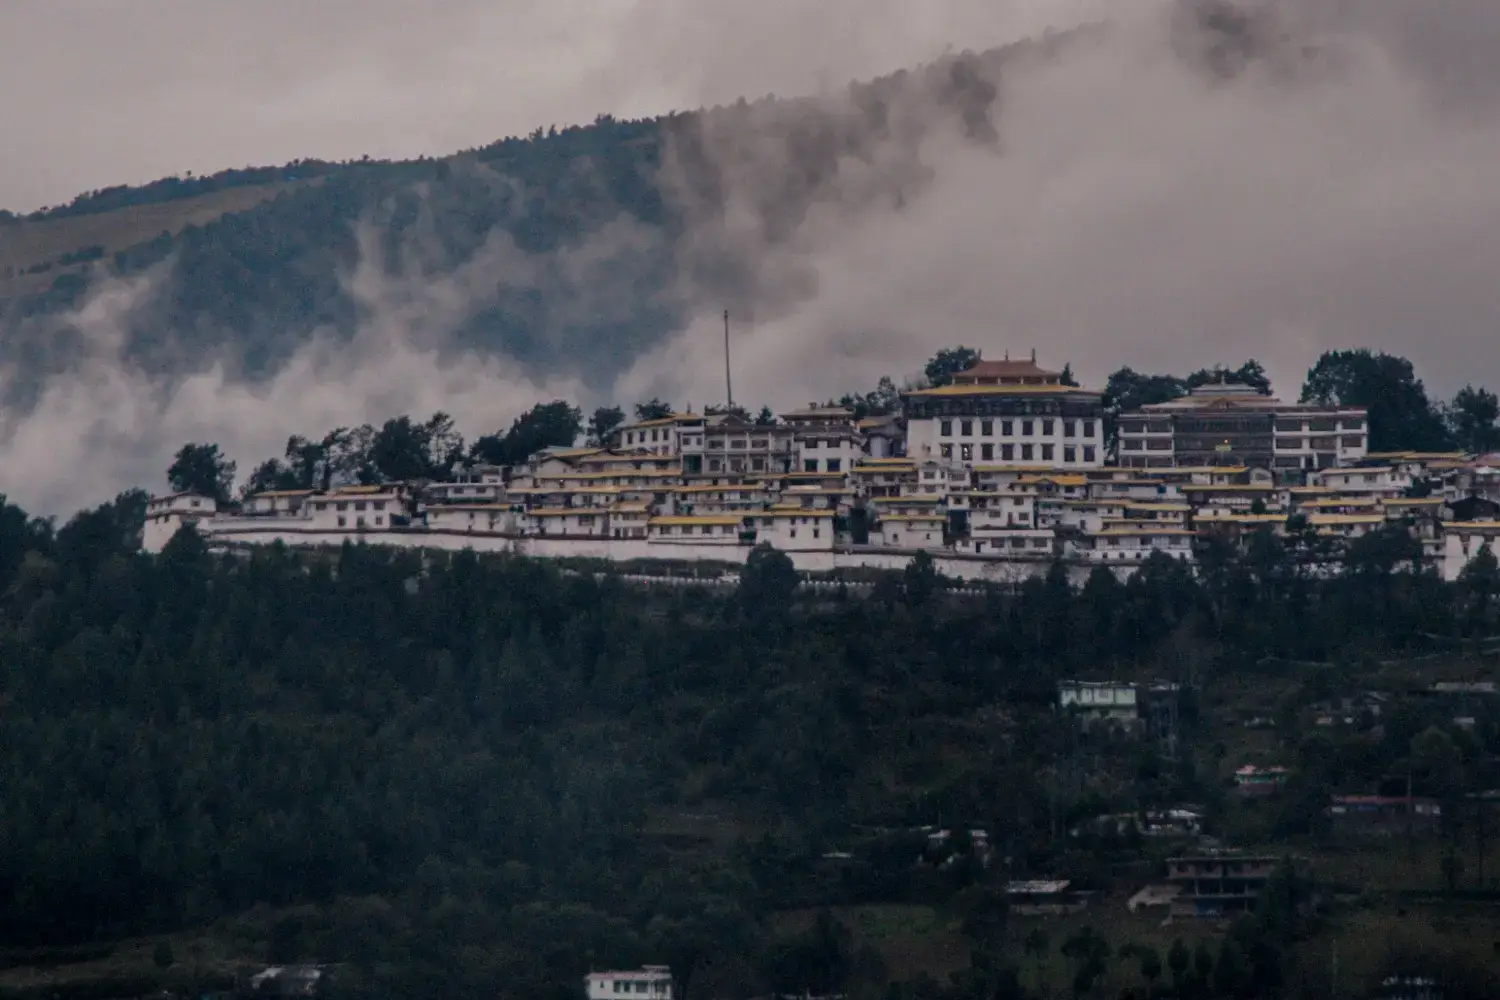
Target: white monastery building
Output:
[
  {"x": 997, "y": 477},
  {"x": 1006, "y": 413}
]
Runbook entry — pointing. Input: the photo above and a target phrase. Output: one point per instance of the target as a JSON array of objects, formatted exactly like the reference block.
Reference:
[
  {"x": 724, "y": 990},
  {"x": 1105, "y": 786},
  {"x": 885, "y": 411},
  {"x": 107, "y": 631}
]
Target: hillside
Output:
[
  {"x": 570, "y": 251},
  {"x": 39, "y": 250},
  {"x": 454, "y": 774}
]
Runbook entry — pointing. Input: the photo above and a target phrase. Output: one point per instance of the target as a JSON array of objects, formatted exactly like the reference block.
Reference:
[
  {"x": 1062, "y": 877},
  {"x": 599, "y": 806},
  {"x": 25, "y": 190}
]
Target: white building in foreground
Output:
[{"x": 653, "y": 981}]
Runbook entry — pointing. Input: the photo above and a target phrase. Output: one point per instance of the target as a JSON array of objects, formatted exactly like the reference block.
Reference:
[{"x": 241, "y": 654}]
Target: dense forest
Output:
[{"x": 457, "y": 775}]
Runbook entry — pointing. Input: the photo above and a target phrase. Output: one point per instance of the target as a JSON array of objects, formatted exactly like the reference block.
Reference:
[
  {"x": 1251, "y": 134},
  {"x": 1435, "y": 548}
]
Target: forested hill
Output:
[
  {"x": 571, "y": 250},
  {"x": 468, "y": 776}
]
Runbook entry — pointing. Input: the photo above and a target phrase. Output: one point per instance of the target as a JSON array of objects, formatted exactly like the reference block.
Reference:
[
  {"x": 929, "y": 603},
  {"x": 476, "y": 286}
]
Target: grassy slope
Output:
[{"x": 28, "y": 243}]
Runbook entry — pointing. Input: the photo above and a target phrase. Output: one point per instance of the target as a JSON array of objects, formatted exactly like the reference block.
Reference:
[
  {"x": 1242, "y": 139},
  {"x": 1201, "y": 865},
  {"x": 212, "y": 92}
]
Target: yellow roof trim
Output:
[{"x": 1000, "y": 390}]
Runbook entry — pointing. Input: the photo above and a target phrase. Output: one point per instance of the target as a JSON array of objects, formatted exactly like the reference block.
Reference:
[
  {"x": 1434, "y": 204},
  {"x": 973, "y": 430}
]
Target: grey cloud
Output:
[
  {"x": 105, "y": 425},
  {"x": 1140, "y": 200},
  {"x": 1150, "y": 203}
]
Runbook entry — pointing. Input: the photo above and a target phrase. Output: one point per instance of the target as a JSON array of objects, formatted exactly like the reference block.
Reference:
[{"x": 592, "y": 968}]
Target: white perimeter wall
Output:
[{"x": 971, "y": 568}]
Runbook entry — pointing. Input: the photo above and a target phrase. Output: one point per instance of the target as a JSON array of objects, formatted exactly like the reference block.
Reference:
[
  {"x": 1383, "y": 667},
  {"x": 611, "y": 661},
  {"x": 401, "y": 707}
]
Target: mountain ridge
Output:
[{"x": 607, "y": 232}]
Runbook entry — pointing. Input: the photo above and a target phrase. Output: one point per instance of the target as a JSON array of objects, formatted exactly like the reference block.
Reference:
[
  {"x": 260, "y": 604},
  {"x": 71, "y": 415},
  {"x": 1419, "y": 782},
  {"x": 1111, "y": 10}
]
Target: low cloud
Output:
[
  {"x": 1167, "y": 191},
  {"x": 105, "y": 425},
  {"x": 1171, "y": 192}
]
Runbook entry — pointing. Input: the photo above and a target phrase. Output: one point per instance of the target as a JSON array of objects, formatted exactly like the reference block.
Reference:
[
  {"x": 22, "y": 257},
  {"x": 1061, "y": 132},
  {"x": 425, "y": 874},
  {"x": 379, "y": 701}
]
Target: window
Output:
[
  {"x": 815, "y": 533},
  {"x": 1027, "y": 427},
  {"x": 758, "y": 464},
  {"x": 1067, "y": 428},
  {"x": 947, "y": 451},
  {"x": 1007, "y": 452},
  {"x": 945, "y": 428},
  {"x": 811, "y": 464},
  {"x": 1046, "y": 453},
  {"x": 967, "y": 428},
  {"x": 359, "y": 505},
  {"x": 1026, "y": 452},
  {"x": 343, "y": 522},
  {"x": 378, "y": 520},
  {"x": 1007, "y": 428},
  {"x": 986, "y": 428},
  {"x": 987, "y": 452},
  {"x": 716, "y": 444},
  {"x": 966, "y": 453},
  {"x": 834, "y": 463},
  {"x": 359, "y": 522},
  {"x": 342, "y": 505},
  {"x": 714, "y": 465},
  {"x": 1046, "y": 428},
  {"x": 1088, "y": 453},
  {"x": 1088, "y": 428},
  {"x": 1070, "y": 454}
]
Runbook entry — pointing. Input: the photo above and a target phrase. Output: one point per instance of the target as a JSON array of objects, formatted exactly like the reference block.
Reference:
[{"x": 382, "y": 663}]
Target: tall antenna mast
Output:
[{"x": 728, "y": 385}]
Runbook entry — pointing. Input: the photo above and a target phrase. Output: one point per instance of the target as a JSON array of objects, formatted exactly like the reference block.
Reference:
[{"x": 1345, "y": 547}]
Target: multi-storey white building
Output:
[
  {"x": 729, "y": 445},
  {"x": 1370, "y": 480},
  {"x": 1228, "y": 423},
  {"x": 358, "y": 508},
  {"x": 166, "y": 514},
  {"x": 659, "y": 436},
  {"x": 827, "y": 439},
  {"x": 1008, "y": 412},
  {"x": 471, "y": 485}
]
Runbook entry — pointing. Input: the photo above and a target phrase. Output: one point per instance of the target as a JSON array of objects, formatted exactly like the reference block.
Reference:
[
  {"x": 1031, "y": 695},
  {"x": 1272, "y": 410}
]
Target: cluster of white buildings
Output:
[{"x": 997, "y": 476}]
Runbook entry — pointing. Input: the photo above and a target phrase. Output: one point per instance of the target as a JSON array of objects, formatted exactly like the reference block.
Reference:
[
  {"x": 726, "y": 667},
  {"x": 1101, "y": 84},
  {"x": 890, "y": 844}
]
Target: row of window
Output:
[
  {"x": 1299, "y": 427},
  {"x": 738, "y": 465},
  {"x": 344, "y": 504},
  {"x": 761, "y": 444},
  {"x": 1070, "y": 428},
  {"x": 1027, "y": 452},
  {"x": 996, "y": 544},
  {"x": 359, "y": 522},
  {"x": 1319, "y": 444}
]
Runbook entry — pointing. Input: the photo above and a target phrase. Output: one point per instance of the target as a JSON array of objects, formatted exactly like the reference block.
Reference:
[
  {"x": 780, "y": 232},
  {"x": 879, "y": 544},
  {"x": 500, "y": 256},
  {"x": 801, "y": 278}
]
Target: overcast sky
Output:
[
  {"x": 1133, "y": 209},
  {"x": 102, "y": 92}
]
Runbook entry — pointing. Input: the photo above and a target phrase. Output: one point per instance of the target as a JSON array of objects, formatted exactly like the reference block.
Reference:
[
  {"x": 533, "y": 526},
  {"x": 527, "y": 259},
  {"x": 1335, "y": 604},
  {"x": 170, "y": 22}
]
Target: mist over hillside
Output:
[{"x": 1179, "y": 184}]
